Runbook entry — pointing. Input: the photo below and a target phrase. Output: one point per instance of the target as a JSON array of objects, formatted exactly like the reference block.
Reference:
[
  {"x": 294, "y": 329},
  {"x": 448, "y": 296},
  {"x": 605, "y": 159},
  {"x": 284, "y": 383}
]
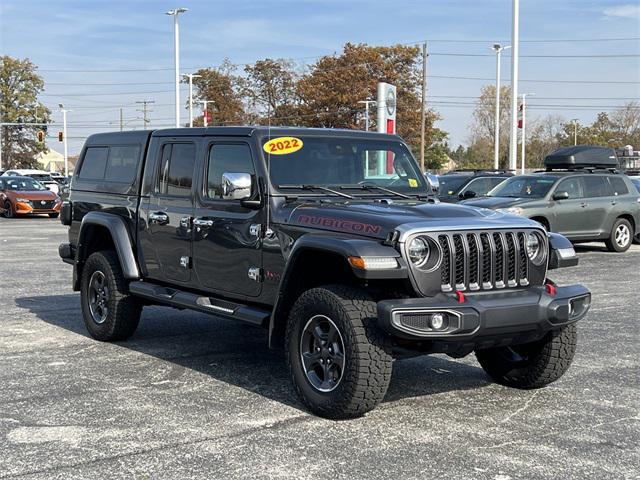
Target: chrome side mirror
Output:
[{"x": 236, "y": 186}]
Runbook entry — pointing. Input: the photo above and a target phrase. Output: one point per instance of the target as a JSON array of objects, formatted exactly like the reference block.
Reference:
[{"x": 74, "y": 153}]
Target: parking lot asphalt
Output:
[{"x": 193, "y": 396}]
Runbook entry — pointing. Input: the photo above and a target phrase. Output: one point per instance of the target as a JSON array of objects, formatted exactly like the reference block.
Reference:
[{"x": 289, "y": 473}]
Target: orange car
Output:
[{"x": 24, "y": 195}]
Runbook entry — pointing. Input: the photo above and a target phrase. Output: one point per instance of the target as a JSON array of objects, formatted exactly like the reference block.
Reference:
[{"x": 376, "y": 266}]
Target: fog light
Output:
[{"x": 437, "y": 321}]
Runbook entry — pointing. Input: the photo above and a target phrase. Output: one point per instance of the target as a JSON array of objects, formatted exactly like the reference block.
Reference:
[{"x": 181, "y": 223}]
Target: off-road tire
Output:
[
  {"x": 611, "y": 243},
  {"x": 123, "y": 309},
  {"x": 8, "y": 210},
  {"x": 547, "y": 361},
  {"x": 54, "y": 215},
  {"x": 368, "y": 361}
]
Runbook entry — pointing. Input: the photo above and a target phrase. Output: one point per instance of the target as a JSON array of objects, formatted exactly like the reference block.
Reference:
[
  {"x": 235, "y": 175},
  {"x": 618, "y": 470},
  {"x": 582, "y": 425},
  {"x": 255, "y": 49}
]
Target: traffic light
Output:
[
  {"x": 40, "y": 136},
  {"x": 60, "y": 136}
]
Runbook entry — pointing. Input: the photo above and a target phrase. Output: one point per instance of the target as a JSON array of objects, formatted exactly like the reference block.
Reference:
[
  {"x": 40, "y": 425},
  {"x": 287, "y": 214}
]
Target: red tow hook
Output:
[
  {"x": 551, "y": 289},
  {"x": 460, "y": 297}
]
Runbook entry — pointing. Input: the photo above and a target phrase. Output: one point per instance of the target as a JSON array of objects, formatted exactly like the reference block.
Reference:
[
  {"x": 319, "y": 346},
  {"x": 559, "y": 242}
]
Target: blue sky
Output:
[{"x": 70, "y": 40}]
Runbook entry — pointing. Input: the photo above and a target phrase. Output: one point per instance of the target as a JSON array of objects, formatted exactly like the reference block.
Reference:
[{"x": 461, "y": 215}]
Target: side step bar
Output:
[{"x": 192, "y": 301}]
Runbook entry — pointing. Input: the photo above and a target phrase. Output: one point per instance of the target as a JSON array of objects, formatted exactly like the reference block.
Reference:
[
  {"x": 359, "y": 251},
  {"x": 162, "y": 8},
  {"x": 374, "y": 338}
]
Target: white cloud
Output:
[{"x": 623, "y": 11}]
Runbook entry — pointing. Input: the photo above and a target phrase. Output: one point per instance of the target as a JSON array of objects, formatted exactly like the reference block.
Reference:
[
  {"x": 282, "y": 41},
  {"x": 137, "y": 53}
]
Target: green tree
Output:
[{"x": 20, "y": 86}]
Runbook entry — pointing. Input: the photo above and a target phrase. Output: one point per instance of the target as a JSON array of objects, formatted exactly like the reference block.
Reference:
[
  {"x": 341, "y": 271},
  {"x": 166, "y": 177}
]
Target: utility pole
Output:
[
  {"x": 575, "y": 131},
  {"x": 515, "y": 51},
  {"x": 191, "y": 76},
  {"x": 176, "y": 56},
  {"x": 523, "y": 133},
  {"x": 423, "y": 108},
  {"x": 145, "y": 111},
  {"x": 204, "y": 110},
  {"x": 496, "y": 131},
  {"x": 121, "y": 120},
  {"x": 64, "y": 138}
]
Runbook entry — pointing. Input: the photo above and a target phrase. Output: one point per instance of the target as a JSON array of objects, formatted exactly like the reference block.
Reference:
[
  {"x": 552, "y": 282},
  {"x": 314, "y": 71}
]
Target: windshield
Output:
[
  {"x": 450, "y": 184},
  {"x": 523, "y": 187},
  {"x": 22, "y": 184},
  {"x": 42, "y": 177},
  {"x": 343, "y": 164}
]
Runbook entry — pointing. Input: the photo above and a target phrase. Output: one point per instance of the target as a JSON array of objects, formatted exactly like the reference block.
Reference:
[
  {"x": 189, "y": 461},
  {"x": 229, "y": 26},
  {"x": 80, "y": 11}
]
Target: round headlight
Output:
[
  {"x": 535, "y": 248},
  {"x": 418, "y": 251}
]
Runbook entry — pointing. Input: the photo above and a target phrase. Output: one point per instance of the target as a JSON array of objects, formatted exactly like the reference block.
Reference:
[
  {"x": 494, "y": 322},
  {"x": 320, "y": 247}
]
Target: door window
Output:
[
  {"x": 596, "y": 186},
  {"x": 618, "y": 185},
  {"x": 176, "y": 169},
  {"x": 226, "y": 158},
  {"x": 572, "y": 186}
]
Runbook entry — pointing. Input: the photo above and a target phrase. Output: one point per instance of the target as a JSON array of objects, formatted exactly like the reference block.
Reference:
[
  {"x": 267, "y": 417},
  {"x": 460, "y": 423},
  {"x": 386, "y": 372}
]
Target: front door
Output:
[
  {"x": 227, "y": 253},
  {"x": 570, "y": 214},
  {"x": 169, "y": 213}
]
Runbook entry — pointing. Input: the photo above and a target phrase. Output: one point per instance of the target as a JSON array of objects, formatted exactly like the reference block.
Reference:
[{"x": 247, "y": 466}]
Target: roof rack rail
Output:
[{"x": 481, "y": 170}]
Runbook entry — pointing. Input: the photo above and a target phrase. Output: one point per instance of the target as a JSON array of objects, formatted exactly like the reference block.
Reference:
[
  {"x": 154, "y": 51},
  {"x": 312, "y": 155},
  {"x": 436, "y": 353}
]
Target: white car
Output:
[{"x": 41, "y": 176}]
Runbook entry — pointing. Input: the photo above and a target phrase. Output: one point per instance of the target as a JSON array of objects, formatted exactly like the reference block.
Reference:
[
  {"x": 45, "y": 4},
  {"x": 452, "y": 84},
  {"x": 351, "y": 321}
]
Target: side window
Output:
[
  {"x": 572, "y": 186},
  {"x": 596, "y": 186},
  {"x": 122, "y": 164},
  {"x": 94, "y": 163},
  {"x": 226, "y": 158},
  {"x": 618, "y": 186},
  {"x": 176, "y": 169}
]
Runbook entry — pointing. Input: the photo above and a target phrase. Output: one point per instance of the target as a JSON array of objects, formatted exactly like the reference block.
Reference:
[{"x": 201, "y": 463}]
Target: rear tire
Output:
[
  {"x": 109, "y": 312},
  {"x": 8, "y": 209},
  {"x": 532, "y": 365},
  {"x": 339, "y": 359},
  {"x": 621, "y": 236}
]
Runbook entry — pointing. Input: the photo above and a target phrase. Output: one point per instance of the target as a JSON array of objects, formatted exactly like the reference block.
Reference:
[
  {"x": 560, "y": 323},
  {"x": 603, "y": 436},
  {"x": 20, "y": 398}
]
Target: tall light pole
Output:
[
  {"x": 205, "y": 115},
  {"x": 176, "y": 58},
  {"x": 575, "y": 131},
  {"x": 64, "y": 138},
  {"x": 523, "y": 133},
  {"x": 366, "y": 112},
  {"x": 515, "y": 38},
  {"x": 496, "y": 140},
  {"x": 191, "y": 76}
]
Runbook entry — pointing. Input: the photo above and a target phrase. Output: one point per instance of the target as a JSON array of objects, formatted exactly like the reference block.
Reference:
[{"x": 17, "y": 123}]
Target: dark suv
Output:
[
  {"x": 328, "y": 239},
  {"x": 465, "y": 184},
  {"x": 580, "y": 195}
]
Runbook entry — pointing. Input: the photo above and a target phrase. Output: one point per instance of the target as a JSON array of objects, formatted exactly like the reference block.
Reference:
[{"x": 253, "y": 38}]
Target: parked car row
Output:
[{"x": 580, "y": 194}]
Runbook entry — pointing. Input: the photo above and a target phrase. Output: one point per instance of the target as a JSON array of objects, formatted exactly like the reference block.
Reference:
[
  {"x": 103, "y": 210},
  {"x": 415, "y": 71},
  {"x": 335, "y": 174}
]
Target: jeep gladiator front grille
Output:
[{"x": 483, "y": 260}]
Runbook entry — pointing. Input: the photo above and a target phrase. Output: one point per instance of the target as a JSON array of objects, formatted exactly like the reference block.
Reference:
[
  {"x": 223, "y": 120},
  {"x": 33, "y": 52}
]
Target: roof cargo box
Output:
[{"x": 582, "y": 156}]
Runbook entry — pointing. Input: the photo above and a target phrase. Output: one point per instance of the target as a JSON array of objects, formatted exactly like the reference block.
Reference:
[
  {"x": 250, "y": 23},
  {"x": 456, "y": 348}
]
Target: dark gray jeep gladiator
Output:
[{"x": 330, "y": 240}]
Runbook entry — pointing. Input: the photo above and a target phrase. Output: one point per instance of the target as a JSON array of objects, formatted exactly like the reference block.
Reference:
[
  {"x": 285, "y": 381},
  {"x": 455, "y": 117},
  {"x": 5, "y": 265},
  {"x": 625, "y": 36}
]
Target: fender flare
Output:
[
  {"x": 561, "y": 252},
  {"x": 344, "y": 247},
  {"x": 120, "y": 236}
]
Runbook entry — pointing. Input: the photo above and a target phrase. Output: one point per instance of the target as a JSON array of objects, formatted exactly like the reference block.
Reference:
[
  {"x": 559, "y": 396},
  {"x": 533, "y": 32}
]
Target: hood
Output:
[
  {"x": 378, "y": 219},
  {"x": 31, "y": 194},
  {"x": 497, "y": 202}
]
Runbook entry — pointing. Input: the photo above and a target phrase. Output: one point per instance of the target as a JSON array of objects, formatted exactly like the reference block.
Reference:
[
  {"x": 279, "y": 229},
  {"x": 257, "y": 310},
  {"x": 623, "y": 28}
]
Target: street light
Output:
[
  {"x": 496, "y": 141},
  {"x": 64, "y": 138},
  {"x": 524, "y": 121},
  {"x": 366, "y": 109},
  {"x": 191, "y": 76},
  {"x": 176, "y": 47},
  {"x": 515, "y": 40}
]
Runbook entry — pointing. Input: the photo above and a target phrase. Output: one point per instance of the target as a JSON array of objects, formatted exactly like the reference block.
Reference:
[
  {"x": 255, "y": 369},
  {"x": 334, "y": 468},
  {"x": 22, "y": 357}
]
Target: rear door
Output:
[
  {"x": 599, "y": 196},
  {"x": 227, "y": 253},
  {"x": 169, "y": 213}
]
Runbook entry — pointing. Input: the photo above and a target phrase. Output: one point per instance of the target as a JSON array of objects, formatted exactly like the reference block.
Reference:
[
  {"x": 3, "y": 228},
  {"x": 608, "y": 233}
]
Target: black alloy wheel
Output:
[{"x": 322, "y": 353}]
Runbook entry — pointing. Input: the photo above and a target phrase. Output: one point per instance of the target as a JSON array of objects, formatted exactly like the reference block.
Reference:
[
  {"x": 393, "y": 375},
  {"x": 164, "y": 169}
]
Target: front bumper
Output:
[
  {"x": 484, "y": 319},
  {"x": 23, "y": 208}
]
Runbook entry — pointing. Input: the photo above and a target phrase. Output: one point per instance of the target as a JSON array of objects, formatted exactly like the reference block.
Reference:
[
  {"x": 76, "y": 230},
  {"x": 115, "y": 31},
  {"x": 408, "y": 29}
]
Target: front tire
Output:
[
  {"x": 109, "y": 312},
  {"x": 8, "y": 210},
  {"x": 621, "y": 236},
  {"x": 532, "y": 365},
  {"x": 339, "y": 360}
]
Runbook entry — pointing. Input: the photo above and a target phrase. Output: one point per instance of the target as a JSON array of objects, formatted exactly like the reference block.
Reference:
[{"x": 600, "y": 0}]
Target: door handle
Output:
[
  {"x": 201, "y": 223},
  {"x": 613, "y": 202},
  {"x": 584, "y": 204},
  {"x": 159, "y": 218}
]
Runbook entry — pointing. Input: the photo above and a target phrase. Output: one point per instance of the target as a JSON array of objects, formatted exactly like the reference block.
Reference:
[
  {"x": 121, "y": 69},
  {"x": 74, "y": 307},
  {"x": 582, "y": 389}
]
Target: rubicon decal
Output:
[
  {"x": 282, "y": 145},
  {"x": 338, "y": 224}
]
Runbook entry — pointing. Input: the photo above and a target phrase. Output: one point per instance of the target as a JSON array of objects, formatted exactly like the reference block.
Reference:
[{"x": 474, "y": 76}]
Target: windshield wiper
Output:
[
  {"x": 370, "y": 186},
  {"x": 314, "y": 187}
]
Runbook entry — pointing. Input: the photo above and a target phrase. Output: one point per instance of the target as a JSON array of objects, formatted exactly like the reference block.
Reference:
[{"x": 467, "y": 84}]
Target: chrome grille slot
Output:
[{"x": 483, "y": 260}]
